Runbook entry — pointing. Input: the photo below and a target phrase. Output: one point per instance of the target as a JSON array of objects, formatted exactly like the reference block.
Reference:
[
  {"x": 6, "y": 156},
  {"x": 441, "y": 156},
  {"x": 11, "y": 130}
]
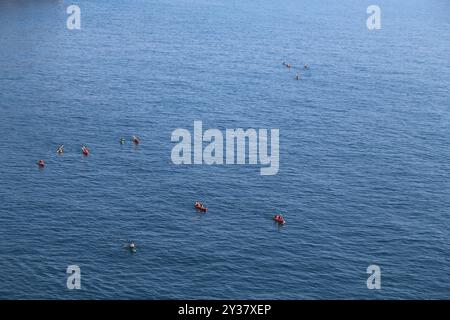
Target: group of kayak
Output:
[
  {"x": 297, "y": 75},
  {"x": 277, "y": 218},
  {"x": 85, "y": 150},
  {"x": 288, "y": 65},
  {"x": 198, "y": 205}
]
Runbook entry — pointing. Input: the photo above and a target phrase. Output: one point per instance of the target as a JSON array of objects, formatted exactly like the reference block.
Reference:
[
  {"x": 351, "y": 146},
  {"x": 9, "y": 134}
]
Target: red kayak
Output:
[
  {"x": 279, "y": 218},
  {"x": 85, "y": 151},
  {"x": 136, "y": 140},
  {"x": 200, "y": 206}
]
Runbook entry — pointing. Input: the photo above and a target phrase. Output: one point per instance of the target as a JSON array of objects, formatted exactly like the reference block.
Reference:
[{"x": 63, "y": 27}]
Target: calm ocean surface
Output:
[{"x": 364, "y": 149}]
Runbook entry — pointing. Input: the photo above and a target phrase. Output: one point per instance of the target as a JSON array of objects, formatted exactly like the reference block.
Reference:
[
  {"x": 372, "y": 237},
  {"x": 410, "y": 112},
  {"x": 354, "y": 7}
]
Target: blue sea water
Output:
[{"x": 364, "y": 149}]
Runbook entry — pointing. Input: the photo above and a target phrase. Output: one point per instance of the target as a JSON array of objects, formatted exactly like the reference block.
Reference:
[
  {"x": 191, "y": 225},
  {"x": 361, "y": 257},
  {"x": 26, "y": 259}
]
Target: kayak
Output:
[
  {"x": 201, "y": 208},
  {"x": 279, "y": 219},
  {"x": 136, "y": 139}
]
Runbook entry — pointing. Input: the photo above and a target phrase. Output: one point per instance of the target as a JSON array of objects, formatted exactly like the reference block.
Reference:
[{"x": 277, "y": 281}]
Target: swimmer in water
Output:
[
  {"x": 297, "y": 76},
  {"x": 60, "y": 149}
]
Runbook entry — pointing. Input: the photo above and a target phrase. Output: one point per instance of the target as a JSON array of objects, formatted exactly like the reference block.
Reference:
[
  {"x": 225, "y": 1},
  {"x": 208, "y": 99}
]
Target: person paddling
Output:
[
  {"x": 85, "y": 150},
  {"x": 136, "y": 140}
]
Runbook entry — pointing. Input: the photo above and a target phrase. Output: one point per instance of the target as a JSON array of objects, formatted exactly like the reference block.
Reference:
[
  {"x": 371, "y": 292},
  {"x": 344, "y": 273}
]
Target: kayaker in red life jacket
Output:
[
  {"x": 279, "y": 218},
  {"x": 85, "y": 150}
]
